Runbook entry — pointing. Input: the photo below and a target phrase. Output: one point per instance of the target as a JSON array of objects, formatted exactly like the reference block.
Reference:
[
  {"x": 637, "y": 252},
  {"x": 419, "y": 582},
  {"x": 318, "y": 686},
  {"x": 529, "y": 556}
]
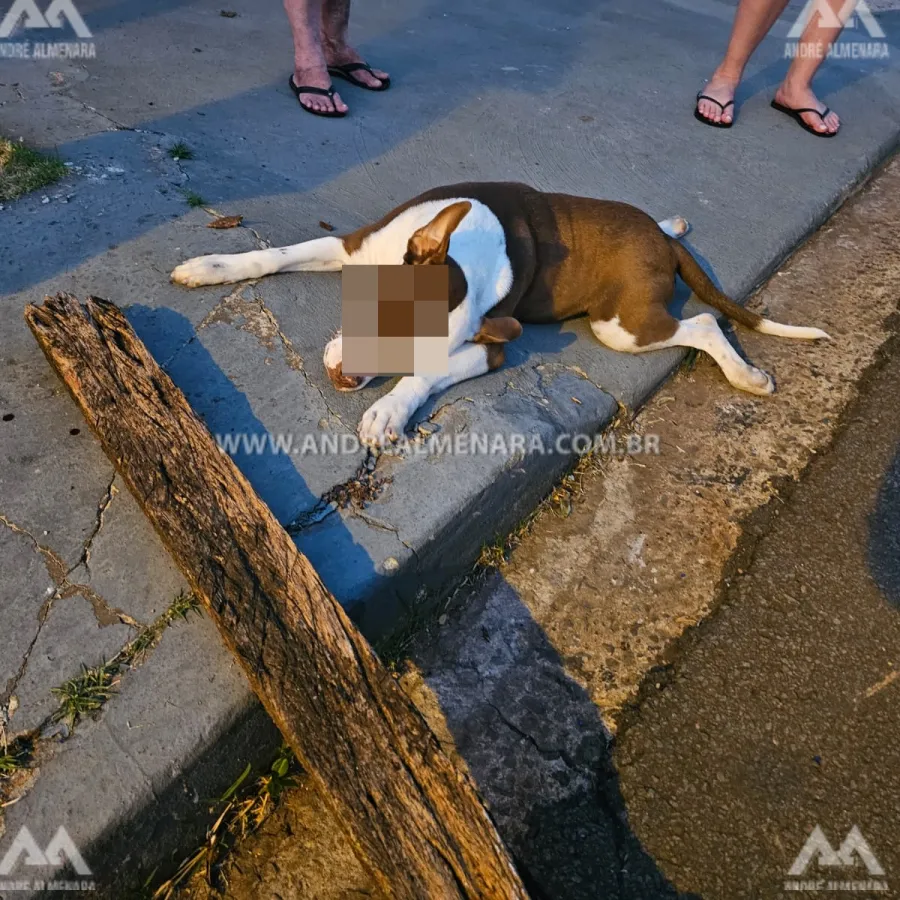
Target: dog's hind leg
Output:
[
  {"x": 325, "y": 254},
  {"x": 700, "y": 332}
]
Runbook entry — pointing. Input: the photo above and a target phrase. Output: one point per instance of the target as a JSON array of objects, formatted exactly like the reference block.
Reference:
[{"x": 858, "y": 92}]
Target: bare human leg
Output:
[
  {"x": 752, "y": 22},
  {"x": 338, "y": 52},
  {"x": 796, "y": 90},
  {"x": 310, "y": 66}
]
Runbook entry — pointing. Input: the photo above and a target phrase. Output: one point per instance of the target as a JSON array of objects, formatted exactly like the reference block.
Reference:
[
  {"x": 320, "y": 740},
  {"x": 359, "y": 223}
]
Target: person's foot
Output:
[
  {"x": 722, "y": 88},
  {"x": 317, "y": 76},
  {"x": 804, "y": 98},
  {"x": 338, "y": 54}
]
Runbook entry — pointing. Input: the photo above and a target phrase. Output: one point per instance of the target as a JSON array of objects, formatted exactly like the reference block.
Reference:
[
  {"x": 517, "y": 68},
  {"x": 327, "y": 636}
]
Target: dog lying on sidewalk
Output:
[{"x": 517, "y": 255}]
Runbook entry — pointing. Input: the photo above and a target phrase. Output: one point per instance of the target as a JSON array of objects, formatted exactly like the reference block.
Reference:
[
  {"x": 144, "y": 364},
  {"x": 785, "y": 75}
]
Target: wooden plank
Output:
[{"x": 414, "y": 817}]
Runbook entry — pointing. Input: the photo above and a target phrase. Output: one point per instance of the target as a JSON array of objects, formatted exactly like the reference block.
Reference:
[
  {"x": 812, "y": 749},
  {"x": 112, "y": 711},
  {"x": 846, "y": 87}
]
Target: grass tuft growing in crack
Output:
[
  {"x": 13, "y": 758},
  {"x": 85, "y": 694},
  {"x": 494, "y": 555},
  {"x": 395, "y": 647},
  {"x": 180, "y": 608},
  {"x": 23, "y": 170},
  {"x": 241, "y": 810},
  {"x": 194, "y": 200},
  {"x": 180, "y": 151}
]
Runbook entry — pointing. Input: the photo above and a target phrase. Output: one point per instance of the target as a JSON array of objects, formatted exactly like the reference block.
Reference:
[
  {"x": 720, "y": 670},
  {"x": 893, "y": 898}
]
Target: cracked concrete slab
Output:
[
  {"x": 152, "y": 715},
  {"x": 130, "y": 781},
  {"x": 239, "y": 386},
  {"x": 482, "y": 494},
  {"x": 69, "y": 637},
  {"x": 24, "y": 590},
  {"x": 52, "y": 473},
  {"x": 128, "y": 566}
]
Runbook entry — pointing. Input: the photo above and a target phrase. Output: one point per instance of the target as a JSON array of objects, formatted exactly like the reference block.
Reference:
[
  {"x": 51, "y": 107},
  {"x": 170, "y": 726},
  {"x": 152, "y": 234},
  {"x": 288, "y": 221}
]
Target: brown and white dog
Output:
[{"x": 515, "y": 255}]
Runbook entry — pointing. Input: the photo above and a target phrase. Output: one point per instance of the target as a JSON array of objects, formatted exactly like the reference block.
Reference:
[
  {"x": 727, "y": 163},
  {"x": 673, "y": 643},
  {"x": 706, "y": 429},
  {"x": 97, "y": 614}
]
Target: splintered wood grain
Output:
[{"x": 414, "y": 816}]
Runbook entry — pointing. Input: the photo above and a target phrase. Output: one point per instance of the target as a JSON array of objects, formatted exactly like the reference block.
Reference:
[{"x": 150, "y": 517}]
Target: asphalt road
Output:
[{"x": 780, "y": 712}]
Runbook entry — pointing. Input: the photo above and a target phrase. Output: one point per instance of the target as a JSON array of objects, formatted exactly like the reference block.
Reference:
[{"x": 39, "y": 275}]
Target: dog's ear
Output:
[
  {"x": 429, "y": 245},
  {"x": 501, "y": 330}
]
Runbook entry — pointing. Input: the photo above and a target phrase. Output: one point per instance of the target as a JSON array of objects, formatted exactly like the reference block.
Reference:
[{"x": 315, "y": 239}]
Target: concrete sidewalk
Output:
[{"x": 574, "y": 96}]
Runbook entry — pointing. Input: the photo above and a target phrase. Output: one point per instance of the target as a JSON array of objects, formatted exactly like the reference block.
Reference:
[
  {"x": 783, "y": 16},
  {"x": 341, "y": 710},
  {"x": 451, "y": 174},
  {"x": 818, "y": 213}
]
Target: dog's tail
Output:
[{"x": 701, "y": 284}]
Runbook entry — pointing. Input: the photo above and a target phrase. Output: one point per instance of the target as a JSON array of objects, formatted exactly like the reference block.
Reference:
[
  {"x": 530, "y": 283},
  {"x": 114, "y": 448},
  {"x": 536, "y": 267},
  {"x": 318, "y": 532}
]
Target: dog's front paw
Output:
[
  {"x": 202, "y": 270},
  {"x": 383, "y": 422}
]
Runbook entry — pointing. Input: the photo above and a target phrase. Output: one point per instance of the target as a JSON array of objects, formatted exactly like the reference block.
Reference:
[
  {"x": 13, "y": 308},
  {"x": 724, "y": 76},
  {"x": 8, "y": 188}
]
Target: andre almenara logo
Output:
[{"x": 25, "y": 22}]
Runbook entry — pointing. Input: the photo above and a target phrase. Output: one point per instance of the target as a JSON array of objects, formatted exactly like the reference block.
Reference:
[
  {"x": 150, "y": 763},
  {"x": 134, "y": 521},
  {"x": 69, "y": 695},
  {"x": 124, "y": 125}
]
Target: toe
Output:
[
  {"x": 820, "y": 124},
  {"x": 372, "y": 80},
  {"x": 814, "y": 121},
  {"x": 709, "y": 110}
]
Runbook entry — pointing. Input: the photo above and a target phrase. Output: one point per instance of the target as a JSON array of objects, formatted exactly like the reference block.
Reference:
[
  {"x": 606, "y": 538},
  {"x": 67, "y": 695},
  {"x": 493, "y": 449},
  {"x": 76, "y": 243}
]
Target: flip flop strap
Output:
[
  {"x": 355, "y": 67},
  {"x": 821, "y": 115},
  {"x": 722, "y": 106},
  {"x": 308, "y": 89}
]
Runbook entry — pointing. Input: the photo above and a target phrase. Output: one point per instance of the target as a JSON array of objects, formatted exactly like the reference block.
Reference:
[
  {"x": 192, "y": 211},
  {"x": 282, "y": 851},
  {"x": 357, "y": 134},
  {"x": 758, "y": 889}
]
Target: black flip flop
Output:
[
  {"x": 723, "y": 106},
  {"x": 795, "y": 115},
  {"x": 346, "y": 72},
  {"x": 333, "y": 113}
]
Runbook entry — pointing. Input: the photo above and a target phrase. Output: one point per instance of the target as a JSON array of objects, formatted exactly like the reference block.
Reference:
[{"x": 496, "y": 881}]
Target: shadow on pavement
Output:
[
  {"x": 226, "y": 411},
  {"x": 535, "y": 744}
]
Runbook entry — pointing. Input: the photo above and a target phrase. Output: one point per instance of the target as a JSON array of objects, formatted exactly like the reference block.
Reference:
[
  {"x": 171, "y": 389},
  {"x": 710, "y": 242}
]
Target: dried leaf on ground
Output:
[{"x": 226, "y": 222}]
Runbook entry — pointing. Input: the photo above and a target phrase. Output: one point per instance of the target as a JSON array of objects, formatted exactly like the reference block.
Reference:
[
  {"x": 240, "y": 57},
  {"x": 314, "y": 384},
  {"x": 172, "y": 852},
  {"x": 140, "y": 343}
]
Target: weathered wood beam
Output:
[{"x": 414, "y": 816}]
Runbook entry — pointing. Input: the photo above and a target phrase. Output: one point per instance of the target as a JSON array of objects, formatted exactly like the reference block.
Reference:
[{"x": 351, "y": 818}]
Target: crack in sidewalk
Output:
[
  {"x": 55, "y": 564},
  {"x": 261, "y": 322},
  {"x": 551, "y": 755},
  {"x": 59, "y": 574},
  {"x": 111, "y": 491},
  {"x": 355, "y": 492},
  {"x": 372, "y": 522}
]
